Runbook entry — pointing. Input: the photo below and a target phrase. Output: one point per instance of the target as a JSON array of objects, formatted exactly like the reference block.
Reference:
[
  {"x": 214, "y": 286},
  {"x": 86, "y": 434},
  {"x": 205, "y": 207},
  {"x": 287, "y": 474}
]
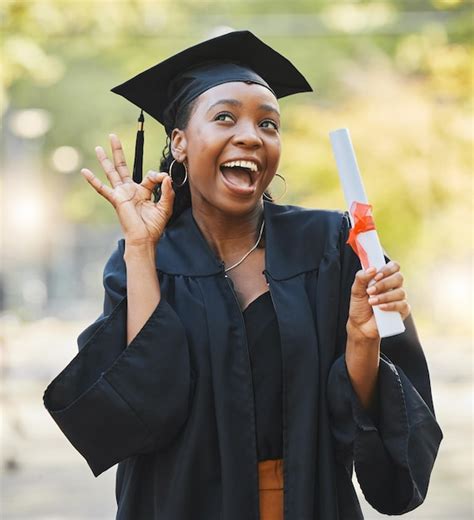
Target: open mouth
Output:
[{"x": 241, "y": 174}]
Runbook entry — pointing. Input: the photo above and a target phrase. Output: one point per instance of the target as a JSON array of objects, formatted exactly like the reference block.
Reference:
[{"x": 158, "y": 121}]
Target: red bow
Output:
[{"x": 363, "y": 221}]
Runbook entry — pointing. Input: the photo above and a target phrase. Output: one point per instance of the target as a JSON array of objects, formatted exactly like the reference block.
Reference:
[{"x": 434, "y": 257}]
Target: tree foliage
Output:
[{"x": 397, "y": 73}]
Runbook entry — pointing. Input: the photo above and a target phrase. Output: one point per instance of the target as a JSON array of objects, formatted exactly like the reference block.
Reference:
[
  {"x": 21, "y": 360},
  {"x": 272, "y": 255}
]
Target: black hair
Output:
[{"x": 182, "y": 199}]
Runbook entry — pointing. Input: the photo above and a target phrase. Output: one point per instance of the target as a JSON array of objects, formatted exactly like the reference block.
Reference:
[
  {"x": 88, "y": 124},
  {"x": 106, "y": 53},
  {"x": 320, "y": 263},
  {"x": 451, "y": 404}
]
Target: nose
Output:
[{"x": 247, "y": 135}]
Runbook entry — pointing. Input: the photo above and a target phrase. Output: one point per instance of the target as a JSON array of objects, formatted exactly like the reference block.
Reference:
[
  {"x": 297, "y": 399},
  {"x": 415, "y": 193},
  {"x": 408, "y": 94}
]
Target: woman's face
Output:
[{"x": 231, "y": 146}]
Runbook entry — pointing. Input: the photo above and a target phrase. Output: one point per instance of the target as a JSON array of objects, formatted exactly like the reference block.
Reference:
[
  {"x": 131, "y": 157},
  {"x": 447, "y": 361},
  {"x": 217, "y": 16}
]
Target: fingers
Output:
[
  {"x": 108, "y": 167},
  {"x": 119, "y": 158},
  {"x": 361, "y": 281},
  {"x": 389, "y": 277},
  {"x": 387, "y": 269},
  {"x": 389, "y": 296},
  {"x": 371, "y": 282},
  {"x": 98, "y": 185},
  {"x": 153, "y": 178},
  {"x": 387, "y": 291},
  {"x": 401, "y": 306},
  {"x": 384, "y": 288},
  {"x": 167, "y": 195}
]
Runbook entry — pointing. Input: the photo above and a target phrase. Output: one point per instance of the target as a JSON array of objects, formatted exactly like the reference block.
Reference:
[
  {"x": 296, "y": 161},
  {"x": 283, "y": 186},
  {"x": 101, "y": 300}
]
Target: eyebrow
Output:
[
  {"x": 237, "y": 103},
  {"x": 269, "y": 108}
]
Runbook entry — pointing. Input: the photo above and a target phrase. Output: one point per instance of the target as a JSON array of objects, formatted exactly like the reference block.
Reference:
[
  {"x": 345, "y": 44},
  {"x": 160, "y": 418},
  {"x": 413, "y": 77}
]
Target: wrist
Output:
[
  {"x": 139, "y": 250},
  {"x": 358, "y": 337},
  {"x": 362, "y": 359},
  {"x": 360, "y": 348}
]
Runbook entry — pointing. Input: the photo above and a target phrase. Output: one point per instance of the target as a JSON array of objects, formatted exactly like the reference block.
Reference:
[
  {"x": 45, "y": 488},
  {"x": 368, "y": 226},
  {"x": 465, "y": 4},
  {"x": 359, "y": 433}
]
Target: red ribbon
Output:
[{"x": 363, "y": 221}]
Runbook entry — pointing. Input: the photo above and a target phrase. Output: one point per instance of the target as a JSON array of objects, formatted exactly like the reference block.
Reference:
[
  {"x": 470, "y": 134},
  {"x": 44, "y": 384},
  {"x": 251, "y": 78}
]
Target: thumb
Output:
[
  {"x": 167, "y": 194},
  {"x": 152, "y": 179},
  {"x": 361, "y": 282}
]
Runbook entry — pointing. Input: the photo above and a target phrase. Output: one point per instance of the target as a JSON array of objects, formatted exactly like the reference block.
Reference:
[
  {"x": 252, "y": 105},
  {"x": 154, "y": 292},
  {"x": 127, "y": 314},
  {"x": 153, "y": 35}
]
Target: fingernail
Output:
[
  {"x": 370, "y": 270},
  {"x": 371, "y": 290},
  {"x": 378, "y": 276},
  {"x": 373, "y": 299}
]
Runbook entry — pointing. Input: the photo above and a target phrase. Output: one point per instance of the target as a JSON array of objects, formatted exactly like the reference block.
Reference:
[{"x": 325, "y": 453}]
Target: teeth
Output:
[{"x": 242, "y": 164}]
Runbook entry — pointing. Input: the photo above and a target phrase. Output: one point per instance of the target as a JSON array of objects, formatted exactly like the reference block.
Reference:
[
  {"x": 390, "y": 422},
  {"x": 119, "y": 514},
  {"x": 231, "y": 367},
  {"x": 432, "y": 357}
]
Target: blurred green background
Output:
[{"x": 397, "y": 73}]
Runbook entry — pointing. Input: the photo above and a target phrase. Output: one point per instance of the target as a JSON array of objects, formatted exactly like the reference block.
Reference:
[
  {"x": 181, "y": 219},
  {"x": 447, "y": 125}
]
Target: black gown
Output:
[{"x": 175, "y": 408}]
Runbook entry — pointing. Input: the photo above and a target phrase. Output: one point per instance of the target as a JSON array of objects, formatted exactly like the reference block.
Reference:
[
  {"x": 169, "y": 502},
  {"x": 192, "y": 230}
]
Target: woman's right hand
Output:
[{"x": 142, "y": 220}]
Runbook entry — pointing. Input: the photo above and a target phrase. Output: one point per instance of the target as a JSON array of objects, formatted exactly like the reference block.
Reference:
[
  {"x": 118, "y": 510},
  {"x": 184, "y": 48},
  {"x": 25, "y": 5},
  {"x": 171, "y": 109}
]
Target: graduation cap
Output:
[{"x": 236, "y": 56}]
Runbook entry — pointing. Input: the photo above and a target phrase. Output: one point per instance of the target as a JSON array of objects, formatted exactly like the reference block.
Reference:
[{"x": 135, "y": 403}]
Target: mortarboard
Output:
[{"x": 236, "y": 56}]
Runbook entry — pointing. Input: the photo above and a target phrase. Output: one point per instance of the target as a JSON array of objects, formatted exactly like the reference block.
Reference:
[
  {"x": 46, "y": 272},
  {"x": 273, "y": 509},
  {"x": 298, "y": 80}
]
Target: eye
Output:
[
  {"x": 268, "y": 123},
  {"x": 224, "y": 116}
]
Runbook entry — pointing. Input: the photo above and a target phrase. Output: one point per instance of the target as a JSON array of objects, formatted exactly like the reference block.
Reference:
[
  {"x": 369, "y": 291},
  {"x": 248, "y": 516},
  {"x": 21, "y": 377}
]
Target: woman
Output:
[{"x": 236, "y": 371}]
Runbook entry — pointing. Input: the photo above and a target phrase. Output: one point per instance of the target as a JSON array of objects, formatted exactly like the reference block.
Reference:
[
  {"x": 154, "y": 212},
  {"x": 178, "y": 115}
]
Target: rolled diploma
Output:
[{"x": 389, "y": 323}]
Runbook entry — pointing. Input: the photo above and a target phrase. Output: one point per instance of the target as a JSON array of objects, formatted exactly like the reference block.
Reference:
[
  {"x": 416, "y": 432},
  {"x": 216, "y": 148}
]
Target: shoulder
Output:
[
  {"x": 300, "y": 223},
  {"x": 299, "y": 238}
]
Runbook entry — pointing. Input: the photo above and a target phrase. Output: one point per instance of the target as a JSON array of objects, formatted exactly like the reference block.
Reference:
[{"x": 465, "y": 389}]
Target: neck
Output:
[{"x": 229, "y": 236}]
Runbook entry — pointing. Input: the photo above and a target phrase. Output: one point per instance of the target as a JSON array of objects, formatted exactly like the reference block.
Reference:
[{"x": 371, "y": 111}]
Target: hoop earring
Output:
[
  {"x": 281, "y": 196},
  {"x": 170, "y": 173}
]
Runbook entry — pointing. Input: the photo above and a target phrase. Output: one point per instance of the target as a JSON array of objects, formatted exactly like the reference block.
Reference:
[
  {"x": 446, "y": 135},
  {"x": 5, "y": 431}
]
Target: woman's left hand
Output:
[{"x": 387, "y": 293}]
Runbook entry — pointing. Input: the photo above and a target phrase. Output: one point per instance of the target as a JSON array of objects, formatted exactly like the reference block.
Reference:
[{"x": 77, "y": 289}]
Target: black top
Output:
[{"x": 265, "y": 358}]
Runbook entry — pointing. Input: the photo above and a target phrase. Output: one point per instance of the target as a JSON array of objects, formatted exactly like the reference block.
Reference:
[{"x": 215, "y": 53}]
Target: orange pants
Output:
[{"x": 270, "y": 476}]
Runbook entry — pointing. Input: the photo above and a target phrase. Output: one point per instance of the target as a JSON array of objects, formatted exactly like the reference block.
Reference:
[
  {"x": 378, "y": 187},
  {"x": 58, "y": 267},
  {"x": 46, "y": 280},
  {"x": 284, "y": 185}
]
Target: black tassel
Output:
[{"x": 138, "y": 162}]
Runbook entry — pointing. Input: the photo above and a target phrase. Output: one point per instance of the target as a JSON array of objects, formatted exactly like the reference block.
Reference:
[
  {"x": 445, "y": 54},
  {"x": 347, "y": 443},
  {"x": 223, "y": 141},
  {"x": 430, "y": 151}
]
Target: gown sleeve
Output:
[
  {"x": 392, "y": 447},
  {"x": 113, "y": 401}
]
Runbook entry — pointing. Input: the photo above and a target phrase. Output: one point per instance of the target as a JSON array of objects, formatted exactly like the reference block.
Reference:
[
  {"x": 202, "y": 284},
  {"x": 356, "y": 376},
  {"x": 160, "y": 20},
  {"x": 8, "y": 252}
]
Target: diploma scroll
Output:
[{"x": 363, "y": 238}]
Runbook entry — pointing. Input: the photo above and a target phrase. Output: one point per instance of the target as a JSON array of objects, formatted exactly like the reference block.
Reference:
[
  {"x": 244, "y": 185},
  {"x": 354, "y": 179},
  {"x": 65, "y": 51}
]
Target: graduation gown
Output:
[{"x": 175, "y": 408}]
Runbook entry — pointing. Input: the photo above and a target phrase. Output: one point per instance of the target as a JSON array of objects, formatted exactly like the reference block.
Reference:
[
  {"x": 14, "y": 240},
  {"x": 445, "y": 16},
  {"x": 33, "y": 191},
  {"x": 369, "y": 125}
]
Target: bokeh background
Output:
[{"x": 397, "y": 73}]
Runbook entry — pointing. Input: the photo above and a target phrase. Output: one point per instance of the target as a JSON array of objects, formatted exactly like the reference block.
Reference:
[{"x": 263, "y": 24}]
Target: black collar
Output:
[{"x": 295, "y": 241}]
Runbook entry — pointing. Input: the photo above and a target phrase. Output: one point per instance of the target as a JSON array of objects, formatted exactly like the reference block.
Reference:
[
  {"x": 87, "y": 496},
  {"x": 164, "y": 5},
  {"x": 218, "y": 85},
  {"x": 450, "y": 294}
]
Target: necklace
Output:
[{"x": 248, "y": 252}]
